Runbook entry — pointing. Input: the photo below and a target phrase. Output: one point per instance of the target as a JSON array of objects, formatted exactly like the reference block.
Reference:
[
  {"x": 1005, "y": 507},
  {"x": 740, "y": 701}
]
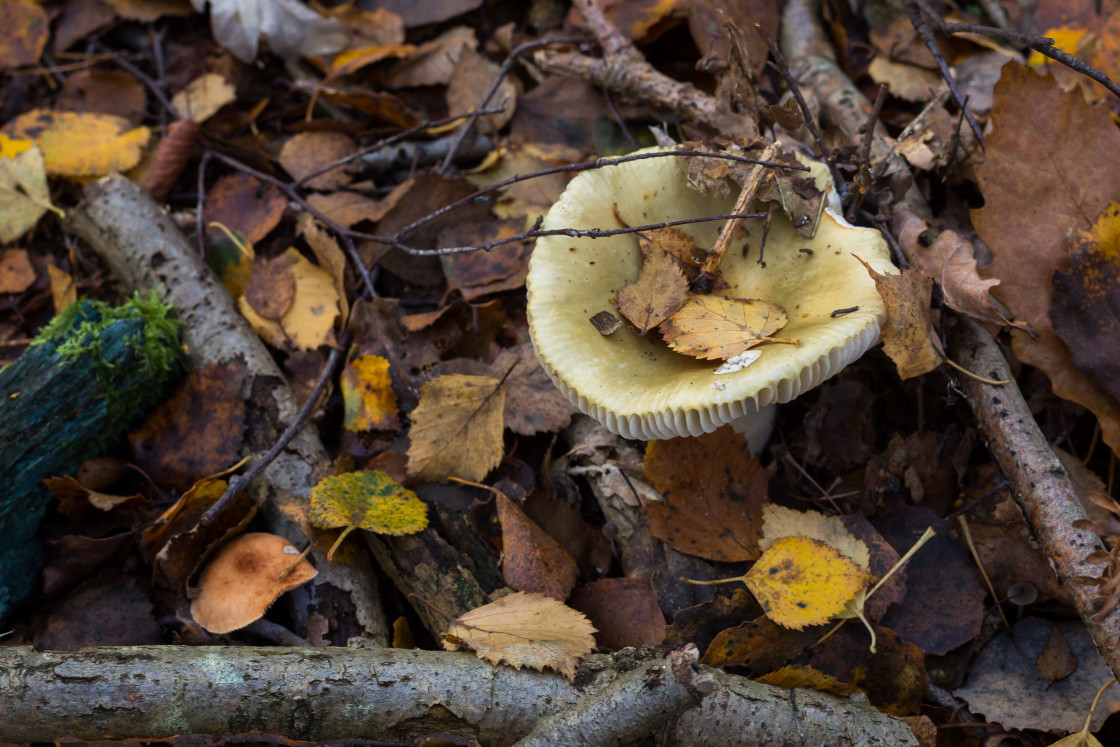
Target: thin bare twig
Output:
[
  {"x": 239, "y": 483},
  {"x": 926, "y": 33},
  {"x": 1041, "y": 44},
  {"x": 396, "y": 239},
  {"x": 782, "y": 67},
  {"x": 507, "y": 65},
  {"x": 865, "y": 180}
]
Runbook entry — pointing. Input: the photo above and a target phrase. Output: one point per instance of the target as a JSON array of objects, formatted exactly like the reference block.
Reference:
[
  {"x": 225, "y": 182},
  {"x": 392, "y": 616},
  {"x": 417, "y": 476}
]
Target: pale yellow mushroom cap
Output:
[{"x": 636, "y": 386}]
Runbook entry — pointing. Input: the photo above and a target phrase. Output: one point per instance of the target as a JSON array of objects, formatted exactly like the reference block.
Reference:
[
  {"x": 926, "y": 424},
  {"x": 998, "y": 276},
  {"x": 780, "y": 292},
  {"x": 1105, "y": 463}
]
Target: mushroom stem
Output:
[{"x": 756, "y": 427}]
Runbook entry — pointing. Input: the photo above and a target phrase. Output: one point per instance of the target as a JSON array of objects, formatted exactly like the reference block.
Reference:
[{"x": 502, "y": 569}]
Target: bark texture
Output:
[{"x": 147, "y": 251}]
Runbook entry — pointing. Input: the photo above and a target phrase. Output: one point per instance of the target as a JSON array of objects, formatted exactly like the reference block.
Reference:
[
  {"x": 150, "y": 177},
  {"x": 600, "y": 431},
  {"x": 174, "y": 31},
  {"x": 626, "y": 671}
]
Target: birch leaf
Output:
[
  {"x": 524, "y": 630},
  {"x": 712, "y": 327}
]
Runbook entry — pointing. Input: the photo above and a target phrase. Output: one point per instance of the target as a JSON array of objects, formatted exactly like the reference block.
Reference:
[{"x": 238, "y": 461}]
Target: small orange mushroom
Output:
[{"x": 244, "y": 579}]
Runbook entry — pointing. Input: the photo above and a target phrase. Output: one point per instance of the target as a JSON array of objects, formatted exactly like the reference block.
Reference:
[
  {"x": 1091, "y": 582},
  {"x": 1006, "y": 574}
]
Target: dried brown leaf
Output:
[
  {"x": 906, "y": 333},
  {"x": 456, "y": 428},
  {"x": 524, "y": 630},
  {"x": 658, "y": 293}
]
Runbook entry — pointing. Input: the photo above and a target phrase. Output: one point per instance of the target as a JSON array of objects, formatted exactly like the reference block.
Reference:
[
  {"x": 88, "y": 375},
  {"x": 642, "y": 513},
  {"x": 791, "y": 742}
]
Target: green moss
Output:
[
  {"x": 77, "y": 333},
  {"x": 149, "y": 333}
]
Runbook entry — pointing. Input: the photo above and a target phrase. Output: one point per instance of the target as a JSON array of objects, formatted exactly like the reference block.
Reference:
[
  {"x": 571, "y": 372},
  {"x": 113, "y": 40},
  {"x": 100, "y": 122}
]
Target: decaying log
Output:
[
  {"x": 67, "y": 399},
  {"x": 397, "y": 694},
  {"x": 147, "y": 251}
]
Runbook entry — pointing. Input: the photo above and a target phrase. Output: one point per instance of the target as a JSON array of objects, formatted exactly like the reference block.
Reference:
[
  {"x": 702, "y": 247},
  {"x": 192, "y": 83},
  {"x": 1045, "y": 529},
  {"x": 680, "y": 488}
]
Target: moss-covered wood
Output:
[{"x": 89, "y": 376}]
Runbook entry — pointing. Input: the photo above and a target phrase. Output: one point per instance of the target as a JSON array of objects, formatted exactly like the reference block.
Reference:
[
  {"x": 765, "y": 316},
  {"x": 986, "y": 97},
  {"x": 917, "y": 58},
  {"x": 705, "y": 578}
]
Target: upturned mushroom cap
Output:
[
  {"x": 243, "y": 580},
  {"x": 636, "y": 386}
]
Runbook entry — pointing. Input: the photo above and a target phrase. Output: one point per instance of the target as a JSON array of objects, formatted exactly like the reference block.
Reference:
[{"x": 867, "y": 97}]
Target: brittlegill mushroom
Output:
[{"x": 634, "y": 384}]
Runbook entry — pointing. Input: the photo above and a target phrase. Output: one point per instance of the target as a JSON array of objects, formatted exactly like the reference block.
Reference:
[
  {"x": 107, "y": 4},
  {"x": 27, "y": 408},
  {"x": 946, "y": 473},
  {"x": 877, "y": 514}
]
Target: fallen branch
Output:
[
  {"x": 315, "y": 695},
  {"x": 1037, "y": 480}
]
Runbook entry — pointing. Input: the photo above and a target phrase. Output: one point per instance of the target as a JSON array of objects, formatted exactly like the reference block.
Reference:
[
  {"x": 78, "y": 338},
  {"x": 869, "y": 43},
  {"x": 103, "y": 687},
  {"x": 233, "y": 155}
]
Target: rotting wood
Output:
[{"x": 147, "y": 251}]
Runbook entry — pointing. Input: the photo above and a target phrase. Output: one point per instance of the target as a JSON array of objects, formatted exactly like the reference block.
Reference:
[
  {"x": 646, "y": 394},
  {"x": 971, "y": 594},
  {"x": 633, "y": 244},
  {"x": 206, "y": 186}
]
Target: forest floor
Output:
[{"x": 408, "y": 243}]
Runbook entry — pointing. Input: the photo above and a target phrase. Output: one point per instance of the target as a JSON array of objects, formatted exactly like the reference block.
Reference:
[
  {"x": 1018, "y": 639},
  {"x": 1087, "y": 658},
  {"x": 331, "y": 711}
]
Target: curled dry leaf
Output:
[
  {"x": 293, "y": 30},
  {"x": 658, "y": 293},
  {"x": 715, "y": 328},
  {"x": 524, "y": 630},
  {"x": 950, "y": 260},
  {"x": 906, "y": 333}
]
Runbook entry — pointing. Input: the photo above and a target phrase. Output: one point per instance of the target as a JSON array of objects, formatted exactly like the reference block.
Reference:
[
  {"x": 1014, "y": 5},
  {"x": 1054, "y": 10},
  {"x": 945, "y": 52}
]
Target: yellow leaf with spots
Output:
[
  {"x": 367, "y": 395},
  {"x": 82, "y": 144},
  {"x": 310, "y": 318},
  {"x": 457, "y": 428},
  {"x": 801, "y": 581},
  {"x": 715, "y": 328},
  {"x": 372, "y": 501}
]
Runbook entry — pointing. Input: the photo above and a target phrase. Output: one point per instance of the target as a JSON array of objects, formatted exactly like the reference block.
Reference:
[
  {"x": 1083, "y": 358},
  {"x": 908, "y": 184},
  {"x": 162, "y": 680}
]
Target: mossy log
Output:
[{"x": 90, "y": 375}]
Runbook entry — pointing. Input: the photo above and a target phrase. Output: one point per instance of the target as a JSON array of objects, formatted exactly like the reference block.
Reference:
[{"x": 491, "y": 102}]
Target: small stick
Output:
[
  {"x": 706, "y": 279},
  {"x": 238, "y": 483},
  {"x": 926, "y": 33}
]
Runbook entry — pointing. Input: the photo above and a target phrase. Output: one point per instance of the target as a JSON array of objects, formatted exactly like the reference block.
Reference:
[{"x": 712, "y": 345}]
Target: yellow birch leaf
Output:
[
  {"x": 367, "y": 395},
  {"x": 63, "y": 289},
  {"x": 658, "y": 293},
  {"x": 779, "y": 521},
  {"x": 372, "y": 501},
  {"x": 24, "y": 196},
  {"x": 329, "y": 255},
  {"x": 711, "y": 327},
  {"x": 457, "y": 428},
  {"x": 801, "y": 581},
  {"x": 82, "y": 144},
  {"x": 524, "y": 630},
  {"x": 203, "y": 97},
  {"x": 309, "y": 320}
]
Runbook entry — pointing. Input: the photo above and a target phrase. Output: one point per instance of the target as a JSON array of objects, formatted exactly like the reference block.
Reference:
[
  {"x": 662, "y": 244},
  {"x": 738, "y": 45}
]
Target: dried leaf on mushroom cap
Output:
[
  {"x": 635, "y": 385},
  {"x": 243, "y": 580}
]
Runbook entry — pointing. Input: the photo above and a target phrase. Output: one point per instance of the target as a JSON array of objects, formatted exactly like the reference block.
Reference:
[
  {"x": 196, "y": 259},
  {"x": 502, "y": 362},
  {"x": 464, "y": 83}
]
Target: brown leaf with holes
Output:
[
  {"x": 658, "y": 293},
  {"x": 531, "y": 559},
  {"x": 456, "y": 428},
  {"x": 1045, "y": 178},
  {"x": 951, "y": 262},
  {"x": 907, "y": 338},
  {"x": 717, "y": 328},
  {"x": 524, "y": 630},
  {"x": 713, "y": 493}
]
